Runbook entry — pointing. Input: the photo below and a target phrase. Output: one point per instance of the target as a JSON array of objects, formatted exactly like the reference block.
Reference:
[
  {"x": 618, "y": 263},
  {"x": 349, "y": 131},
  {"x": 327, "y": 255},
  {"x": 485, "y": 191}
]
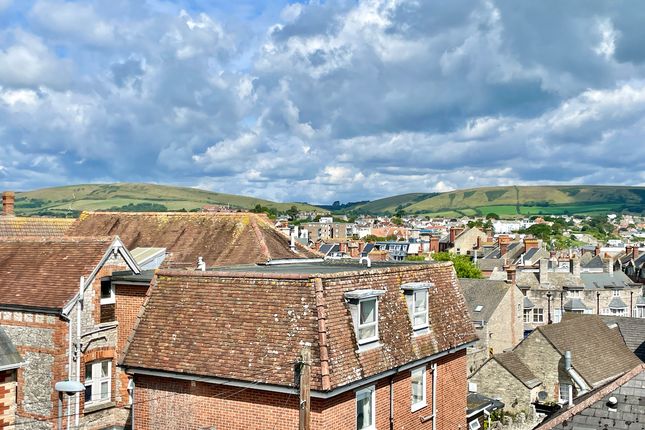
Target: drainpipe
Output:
[
  {"x": 79, "y": 310},
  {"x": 392, "y": 402},
  {"x": 69, "y": 363},
  {"x": 434, "y": 396},
  {"x": 598, "y": 303},
  {"x": 631, "y": 304},
  {"x": 568, "y": 367},
  {"x": 548, "y": 308}
]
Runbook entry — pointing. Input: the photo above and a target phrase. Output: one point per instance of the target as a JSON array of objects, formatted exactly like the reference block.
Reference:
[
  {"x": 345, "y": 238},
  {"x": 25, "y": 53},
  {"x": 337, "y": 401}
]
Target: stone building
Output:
[
  {"x": 496, "y": 309},
  {"x": 53, "y": 298},
  {"x": 10, "y": 362},
  {"x": 569, "y": 359},
  {"x": 220, "y": 348},
  {"x": 463, "y": 241}
]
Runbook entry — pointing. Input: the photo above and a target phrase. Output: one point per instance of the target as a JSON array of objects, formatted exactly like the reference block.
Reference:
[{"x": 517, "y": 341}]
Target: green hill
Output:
[
  {"x": 60, "y": 201},
  {"x": 516, "y": 201}
]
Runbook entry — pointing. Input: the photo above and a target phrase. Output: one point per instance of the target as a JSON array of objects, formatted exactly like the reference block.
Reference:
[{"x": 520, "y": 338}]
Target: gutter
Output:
[
  {"x": 288, "y": 390},
  {"x": 13, "y": 366}
]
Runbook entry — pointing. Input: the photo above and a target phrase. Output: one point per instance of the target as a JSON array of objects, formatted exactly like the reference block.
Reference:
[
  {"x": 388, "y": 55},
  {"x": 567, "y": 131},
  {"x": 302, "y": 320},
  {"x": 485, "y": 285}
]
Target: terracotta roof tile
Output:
[
  {"x": 251, "y": 326},
  {"x": 220, "y": 238},
  {"x": 12, "y": 226},
  {"x": 45, "y": 272}
]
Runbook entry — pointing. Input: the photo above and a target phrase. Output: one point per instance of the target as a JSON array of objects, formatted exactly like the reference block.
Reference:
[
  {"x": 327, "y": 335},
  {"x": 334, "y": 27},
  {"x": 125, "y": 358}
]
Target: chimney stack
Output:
[
  {"x": 454, "y": 232},
  {"x": 511, "y": 272},
  {"x": 8, "y": 199},
  {"x": 503, "y": 241},
  {"x": 434, "y": 244},
  {"x": 596, "y": 251},
  {"x": 574, "y": 266},
  {"x": 635, "y": 252},
  {"x": 530, "y": 243},
  {"x": 544, "y": 270},
  {"x": 610, "y": 266}
]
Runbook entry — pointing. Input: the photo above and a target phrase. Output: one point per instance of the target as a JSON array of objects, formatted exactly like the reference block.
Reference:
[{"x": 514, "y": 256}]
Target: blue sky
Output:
[{"x": 322, "y": 101}]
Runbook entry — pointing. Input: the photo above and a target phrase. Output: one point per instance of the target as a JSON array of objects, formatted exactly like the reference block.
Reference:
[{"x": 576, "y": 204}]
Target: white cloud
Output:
[{"x": 4, "y": 4}]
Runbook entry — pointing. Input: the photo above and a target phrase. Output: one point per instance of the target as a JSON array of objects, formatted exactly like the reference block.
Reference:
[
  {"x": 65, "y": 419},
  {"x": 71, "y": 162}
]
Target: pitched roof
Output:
[
  {"x": 13, "y": 226},
  {"x": 575, "y": 304},
  {"x": 605, "y": 280},
  {"x": 598, "y": 353},
  {"x": 528, "y": 304},
  {"x": 45, "y": 272},
  {"x": 591, "y": 410},
  {"x": 220, "y": 238},
  {"x": 593, "y": 263},
  {"x": 485, "y": 293},
  {"x": 632, "y": 331},
  {"x": 9, "y": 356},
  {"x": 251, "y": 326},
  {"x": 511, "y": 362}
]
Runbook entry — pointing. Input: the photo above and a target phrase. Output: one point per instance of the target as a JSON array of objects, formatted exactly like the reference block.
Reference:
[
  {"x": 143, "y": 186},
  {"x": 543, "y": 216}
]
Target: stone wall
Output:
[
  {"x": 506, "y": 325},
  {"x": 544, "y": 361},
  {"x": 494, "y": 381}
]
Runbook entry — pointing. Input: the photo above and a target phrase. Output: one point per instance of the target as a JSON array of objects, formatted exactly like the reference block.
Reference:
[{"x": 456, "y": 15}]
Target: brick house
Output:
[
  {"x": 53, "y": 305},
  {"x": 569, "y": 359},
  {"x": 220, "y": 349},
  {"x": 496, "y": 309},
  {"x": 10, "y": 362}
]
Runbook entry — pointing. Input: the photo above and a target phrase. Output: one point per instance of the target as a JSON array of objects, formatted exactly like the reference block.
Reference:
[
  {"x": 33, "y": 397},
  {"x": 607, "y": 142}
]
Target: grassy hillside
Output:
[
  {"x": 516, "y": 201},
  {"x": 533, "y": 200},
  {"x": 74, "y": 198},
  {"x": 391, "y": 204}
]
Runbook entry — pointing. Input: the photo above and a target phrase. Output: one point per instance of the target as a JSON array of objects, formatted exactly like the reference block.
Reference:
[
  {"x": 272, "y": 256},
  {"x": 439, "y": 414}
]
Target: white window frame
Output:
[
  {"x": 537, "y": 314},
  {"x": 107, "y": 300},
  {"x": 424, "y": 401},
  {"x": 474, "y": 424},
  {"x": 528, "y": 316},
  {"x": 97, "y": 380},
  {"x": 369, "y": 392},
  {"x": 359, "y": 326},
  {"x": 574, "y": 294},
  {"x": 424, "y": 312},
  {"x": 616, "y": 293}
]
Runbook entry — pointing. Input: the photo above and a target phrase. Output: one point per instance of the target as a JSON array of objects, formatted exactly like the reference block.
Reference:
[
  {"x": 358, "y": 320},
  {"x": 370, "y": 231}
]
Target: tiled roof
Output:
[
  {"x": 9, "y": 356},
  {"x": 591, "y": 411},
  {"x": 485, "y": 293},
  {"x": 13, "y": 226},
  {"x": 45, "y": 272},
  {"x": 598, "y": 353},
  {"x": 632, "y": 331},
  {"x": 511, "y": 362},
  {"x": 220, "y": 238},
  {"x": 251, "y": 326}
]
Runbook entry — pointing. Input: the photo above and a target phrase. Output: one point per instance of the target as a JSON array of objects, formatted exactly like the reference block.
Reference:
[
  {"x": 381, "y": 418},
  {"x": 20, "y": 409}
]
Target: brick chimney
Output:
[
  {"x": 635, "y": 252},
  {"x": 530, "y": 243},
  {"x": 434, "y": 243},
  {"x": 8, "y": 199},
  {"x": 343, "y": 247},
  {"x": 544, "y": 270},
  {"x": 361, "y": 246},
  {"x": 609, "y": 266},
  {"x": 596, "y": 251},
  {"x": 503, "y": 241},
  {"x": 454, "y": 232},
  {"x": 511, "y": 272}
]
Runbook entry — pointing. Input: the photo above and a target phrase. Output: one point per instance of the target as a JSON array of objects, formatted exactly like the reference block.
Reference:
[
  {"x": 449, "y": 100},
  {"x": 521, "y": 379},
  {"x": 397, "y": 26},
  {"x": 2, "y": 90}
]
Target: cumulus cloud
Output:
[{"x": 324, "y": 100}]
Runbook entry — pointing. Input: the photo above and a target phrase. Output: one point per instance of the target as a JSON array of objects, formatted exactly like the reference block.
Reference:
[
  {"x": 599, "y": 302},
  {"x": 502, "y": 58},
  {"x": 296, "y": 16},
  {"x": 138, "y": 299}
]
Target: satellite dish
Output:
[{"x": 542, "y": 395}]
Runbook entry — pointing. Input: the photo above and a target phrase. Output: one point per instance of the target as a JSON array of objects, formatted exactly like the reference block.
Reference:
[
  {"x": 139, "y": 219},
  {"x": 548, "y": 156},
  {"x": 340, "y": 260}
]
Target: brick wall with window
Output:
[{"x": 8, "y": 386}]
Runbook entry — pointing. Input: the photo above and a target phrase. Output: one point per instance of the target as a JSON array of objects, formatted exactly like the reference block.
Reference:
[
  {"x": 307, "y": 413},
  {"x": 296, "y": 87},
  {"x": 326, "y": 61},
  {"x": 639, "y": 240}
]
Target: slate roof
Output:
[
  {"x": 9, "y": 356},
  {"x": 487, "y": 264},
  {"x": 45, "y": 272},
  {"x": 555, "y": 279},
  {"x": 598, "y": 353},
  {"x": 511, "y": 362},
  {"x": 632, "y": 331},
  {"x": 14, "y": 226},
  {"x": 251, "y": 326},
  {"x": 617, "y": 303},
  {"x": 485, "y": 293},
  {"x": 605, "y": 280},
  {"x": 591, "y": 410},
  {"x": 476, "y": 402},
  {"x": 220, "y": 238},
  {"x": 594, "y": 263},
  {"x": 575, "y": 304},
  {"x": 528, "y": 304}
]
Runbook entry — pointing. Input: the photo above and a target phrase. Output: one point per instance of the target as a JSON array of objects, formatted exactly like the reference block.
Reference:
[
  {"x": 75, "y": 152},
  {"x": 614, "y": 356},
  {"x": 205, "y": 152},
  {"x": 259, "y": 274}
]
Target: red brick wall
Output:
[
  {"x": 7, "y": 398},
  {"x": 129, "y": 299},
  {"x": 161, "y": 402}
]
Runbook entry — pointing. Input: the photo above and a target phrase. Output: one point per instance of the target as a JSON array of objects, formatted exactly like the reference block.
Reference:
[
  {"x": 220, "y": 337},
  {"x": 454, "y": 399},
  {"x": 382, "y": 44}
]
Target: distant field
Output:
[{"x": 95, "y": 197}]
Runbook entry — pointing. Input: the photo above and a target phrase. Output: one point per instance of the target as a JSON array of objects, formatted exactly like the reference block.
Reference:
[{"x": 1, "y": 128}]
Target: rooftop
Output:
[
  {"x": 312, "y": 267},
  {"x": 13, "y": 226}
]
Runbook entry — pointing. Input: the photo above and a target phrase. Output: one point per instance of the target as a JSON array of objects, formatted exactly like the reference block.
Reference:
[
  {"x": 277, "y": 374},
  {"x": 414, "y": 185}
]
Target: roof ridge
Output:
[
  {"x": 258, "y": 233},
  {"x": 61, "y": 239}
]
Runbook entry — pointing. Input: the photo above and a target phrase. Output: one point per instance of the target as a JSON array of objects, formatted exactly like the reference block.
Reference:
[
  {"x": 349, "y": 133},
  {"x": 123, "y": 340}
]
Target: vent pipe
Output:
[{"x": 201, "y": 264}]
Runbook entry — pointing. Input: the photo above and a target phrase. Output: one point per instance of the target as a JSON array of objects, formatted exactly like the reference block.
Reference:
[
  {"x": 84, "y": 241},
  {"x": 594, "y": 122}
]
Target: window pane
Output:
[
  {"x": 364, "y": 411},
  {"x": 104, "y": 390},
  {"x": 417, "y": 392},
  {"x": 106, "y": 289},
  {"x": 420, "y": 319},
  {"x": 368, "y": 311},
  {"x": 104, "y": 368},
  {"x": 88, "y": 372},
  {"x": 420, "y": 301},
  {"x": 88, "y": 393},
  {"x": 367, "y": 332}
]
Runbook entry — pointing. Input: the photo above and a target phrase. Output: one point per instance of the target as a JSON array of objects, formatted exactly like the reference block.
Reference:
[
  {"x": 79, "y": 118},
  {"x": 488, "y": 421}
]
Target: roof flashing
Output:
[
  {"x": 413, "y": 286},
  {"x": 363, "y": 294}
]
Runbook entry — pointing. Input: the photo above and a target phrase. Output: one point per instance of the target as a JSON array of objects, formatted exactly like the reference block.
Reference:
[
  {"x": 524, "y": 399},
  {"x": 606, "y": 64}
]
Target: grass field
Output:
[{"x": 94, "y": 197}]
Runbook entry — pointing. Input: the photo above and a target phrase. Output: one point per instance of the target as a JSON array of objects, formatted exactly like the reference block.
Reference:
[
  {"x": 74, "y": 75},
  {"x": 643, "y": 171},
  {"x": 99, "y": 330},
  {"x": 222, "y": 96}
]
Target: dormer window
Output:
[
  {"x": 363, "y": 306},
  {"x": 416, "y": 295}
]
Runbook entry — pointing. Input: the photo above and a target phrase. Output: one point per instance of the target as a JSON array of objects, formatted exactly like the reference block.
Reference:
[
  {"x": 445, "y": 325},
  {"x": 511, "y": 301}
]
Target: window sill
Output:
[
  {"x": 98, "y": 406},
  {"x": 369, "y": 346},
  {"x": 420, "y": 331},
  {"x": 418, "y": 406}
]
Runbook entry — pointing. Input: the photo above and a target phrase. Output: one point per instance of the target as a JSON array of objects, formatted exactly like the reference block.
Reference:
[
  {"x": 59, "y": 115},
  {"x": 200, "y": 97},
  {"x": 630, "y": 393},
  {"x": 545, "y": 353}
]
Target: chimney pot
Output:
[{"x": 8, "y": 200}]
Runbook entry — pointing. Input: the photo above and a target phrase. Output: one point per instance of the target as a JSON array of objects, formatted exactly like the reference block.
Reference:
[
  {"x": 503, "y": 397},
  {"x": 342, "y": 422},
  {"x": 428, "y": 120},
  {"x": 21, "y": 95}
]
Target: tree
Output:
[
  {"x": 464, "y": 266},
  {"x": 492, "y": 215},
  {"x": 292, "y": 212},
  {"x": 397, "y": 221}
]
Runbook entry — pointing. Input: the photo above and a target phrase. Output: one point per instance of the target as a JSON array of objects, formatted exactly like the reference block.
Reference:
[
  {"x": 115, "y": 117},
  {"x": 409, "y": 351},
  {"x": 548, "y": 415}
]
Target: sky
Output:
[{"x": 323, "y": 100}]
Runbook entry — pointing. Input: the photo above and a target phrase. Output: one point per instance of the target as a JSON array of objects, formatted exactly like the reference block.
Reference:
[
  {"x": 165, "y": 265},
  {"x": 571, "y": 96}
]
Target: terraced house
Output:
[{"x": 222, "y": 348}]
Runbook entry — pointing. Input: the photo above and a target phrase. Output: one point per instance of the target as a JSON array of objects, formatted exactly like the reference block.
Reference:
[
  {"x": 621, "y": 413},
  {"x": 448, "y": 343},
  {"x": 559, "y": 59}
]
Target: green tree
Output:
[
  {"x": 397, "y": 220},
  {"x": 292, "y": 212},
  {"x": 464, "y": 266},
  {"x": 492, "y": 215}
]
